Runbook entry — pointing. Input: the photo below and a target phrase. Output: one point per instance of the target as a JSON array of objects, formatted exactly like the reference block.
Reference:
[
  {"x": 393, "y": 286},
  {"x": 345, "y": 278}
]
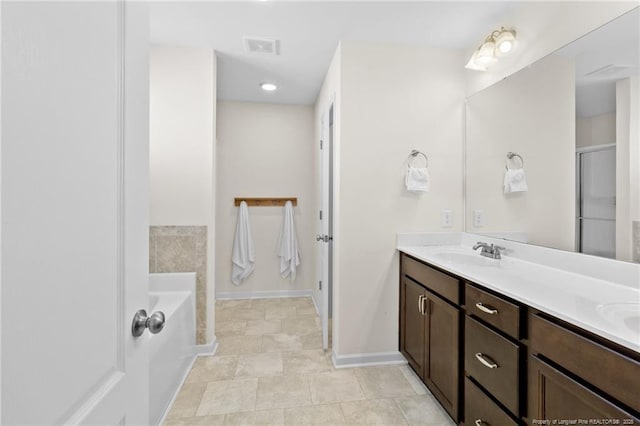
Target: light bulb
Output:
[{"x": 269, "y": 87}]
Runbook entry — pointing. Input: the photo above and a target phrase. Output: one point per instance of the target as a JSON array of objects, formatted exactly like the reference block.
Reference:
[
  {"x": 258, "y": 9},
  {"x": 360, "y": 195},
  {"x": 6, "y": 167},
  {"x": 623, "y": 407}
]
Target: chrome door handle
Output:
[
  {"x": 155, "y": 323},
  {"x": 486, "y": 309},
  {"x": 323, "y": 238},
  {"x": 424, "y": 308},
  {"x": 486, "y": 361},
  {"x": 420, "y": 304},
  {"x": 319, "y": 238}
]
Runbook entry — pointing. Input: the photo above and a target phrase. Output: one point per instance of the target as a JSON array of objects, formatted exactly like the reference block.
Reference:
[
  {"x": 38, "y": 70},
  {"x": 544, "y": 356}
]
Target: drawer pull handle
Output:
[
  {"x": 480, "y": 422},
  {"x": 486, "y": 309},
  {"x": 424, "y": 307},
  {"x": 420, "y": 304},
  {"x": 486, "y": 361}
]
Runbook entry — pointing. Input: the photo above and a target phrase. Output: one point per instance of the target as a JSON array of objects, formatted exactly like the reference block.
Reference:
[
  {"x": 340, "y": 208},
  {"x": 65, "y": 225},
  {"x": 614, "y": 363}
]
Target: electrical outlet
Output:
[
  {"x": 478, "y": 218},
  {"x": 447, "y": 219}
]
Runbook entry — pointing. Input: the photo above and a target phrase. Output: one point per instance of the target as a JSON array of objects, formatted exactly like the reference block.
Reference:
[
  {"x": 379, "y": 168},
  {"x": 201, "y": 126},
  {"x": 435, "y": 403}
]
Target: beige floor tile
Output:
[
  {"x": 259, "y": 365},
  {"x": 229, "y": 396},
  {"x": 383, "y": 382},
  {"x": 260, "y": 327},
  {"x": 263, "y": 417},
  {"x": 187, "y": 401},
  {"x": 418, "y": 387},
  {"x": 222, "y": 305},
  {"x": 212, "y": 368},
  {"x": 423, "y": 410},
  {"x": 280, "y": 312},
  {"x": 304, "y": 311},
  {"x": 300, "y": 326},
  {"x": 281, "y": 343},
  {"x": 299, "y": 302},
  {"x": 305, "y": 362},
  {"x": 330, "y": 414},
  {"x": 372, "y": 412},
  {"x": 230, "y": 328},
  {"x": 236, "y": 345},
  {"x": 197, "y": 421},
  {"x": 264, "y": 304},
  {"x": 283, "y": 392},
  {"x": 312, "y": 341},
  {"x": 239, "y": 314},
  {"x": 334, "y": 386}
]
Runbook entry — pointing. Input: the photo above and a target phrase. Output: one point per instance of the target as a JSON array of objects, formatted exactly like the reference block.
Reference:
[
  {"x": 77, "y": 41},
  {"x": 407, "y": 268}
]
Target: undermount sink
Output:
[
  {"x": 625, "y": 315},
  {"x": 467, "y": 259}
]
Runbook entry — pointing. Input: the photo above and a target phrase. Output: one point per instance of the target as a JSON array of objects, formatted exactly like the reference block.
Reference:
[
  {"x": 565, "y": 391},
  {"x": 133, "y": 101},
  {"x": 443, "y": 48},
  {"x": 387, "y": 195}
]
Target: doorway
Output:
[{"x": 596, "y": 200}]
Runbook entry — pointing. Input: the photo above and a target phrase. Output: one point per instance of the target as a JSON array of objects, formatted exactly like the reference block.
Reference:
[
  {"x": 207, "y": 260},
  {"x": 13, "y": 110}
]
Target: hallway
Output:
[{"x": 270, "y": 369}]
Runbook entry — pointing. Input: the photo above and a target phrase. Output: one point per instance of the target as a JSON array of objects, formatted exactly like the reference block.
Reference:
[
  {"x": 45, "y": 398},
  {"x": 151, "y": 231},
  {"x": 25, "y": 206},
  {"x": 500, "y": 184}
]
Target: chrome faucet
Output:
[{"x": 489, "y": 251}]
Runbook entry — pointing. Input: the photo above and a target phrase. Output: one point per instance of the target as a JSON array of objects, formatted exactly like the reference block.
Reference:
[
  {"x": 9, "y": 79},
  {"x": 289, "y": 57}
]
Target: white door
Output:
[
  {"x": 74, "y": 167},
  {"x": 325, "y": 220}
]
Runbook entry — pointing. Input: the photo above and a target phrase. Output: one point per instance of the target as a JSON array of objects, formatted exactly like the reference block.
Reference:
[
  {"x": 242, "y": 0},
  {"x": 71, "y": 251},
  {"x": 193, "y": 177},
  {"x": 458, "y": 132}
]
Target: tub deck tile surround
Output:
[
  {"x": 270, "y": 369},
  {"x": 183, "y": 249}
]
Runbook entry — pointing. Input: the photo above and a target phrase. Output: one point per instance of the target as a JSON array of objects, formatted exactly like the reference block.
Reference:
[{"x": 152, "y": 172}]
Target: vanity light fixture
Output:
[
  {"x": 499, "y": 43},
  {"x": 268, "y": 87}
]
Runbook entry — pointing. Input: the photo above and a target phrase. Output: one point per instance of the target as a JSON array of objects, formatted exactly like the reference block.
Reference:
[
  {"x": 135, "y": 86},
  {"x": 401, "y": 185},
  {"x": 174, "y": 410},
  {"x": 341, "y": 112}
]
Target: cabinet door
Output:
[
  {"x": 555, "y": 396},
  {"x": 412, "y": 325},
  {"x": 442, "y": 373}
]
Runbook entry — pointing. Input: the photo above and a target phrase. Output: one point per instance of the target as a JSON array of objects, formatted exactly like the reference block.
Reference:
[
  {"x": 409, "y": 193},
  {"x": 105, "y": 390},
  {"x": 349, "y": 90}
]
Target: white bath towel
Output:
[
  {"x": 288, "y": 244},
  {"x": 515, "y": 180},
  {"x": 417, "y": 179},
  {"x": 244, "y": 255}
]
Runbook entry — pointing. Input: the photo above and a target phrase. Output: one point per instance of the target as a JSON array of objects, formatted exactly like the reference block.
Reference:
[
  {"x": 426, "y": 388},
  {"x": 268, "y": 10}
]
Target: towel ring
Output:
[
  {"x": 414, "y": 154},
  {"x": 510, "y": 156}
]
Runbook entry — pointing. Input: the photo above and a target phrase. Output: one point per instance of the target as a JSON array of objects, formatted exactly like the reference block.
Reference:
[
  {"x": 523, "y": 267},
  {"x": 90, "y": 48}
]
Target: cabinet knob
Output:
[{"x": 480, "y": 422}]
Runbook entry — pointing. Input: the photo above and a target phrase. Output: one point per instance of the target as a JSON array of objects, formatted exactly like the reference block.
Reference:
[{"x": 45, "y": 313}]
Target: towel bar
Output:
[
  {"x": 414, "y": 154},
  {"x": 510, "y": 156},
  {"x": 266, "y": 202}
]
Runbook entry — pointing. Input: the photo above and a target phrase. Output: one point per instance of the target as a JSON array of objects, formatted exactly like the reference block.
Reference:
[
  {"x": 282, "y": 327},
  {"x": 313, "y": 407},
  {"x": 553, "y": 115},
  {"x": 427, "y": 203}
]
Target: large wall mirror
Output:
[{"x": 553, "y": 151}]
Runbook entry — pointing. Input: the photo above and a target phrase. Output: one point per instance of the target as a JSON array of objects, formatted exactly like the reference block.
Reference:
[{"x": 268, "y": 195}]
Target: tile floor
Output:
[{"x": 270, "y": 369}]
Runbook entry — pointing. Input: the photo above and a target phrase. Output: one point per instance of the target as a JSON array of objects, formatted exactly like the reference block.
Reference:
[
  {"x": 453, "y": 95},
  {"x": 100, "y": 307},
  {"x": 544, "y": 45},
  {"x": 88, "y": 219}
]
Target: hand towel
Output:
[
  {"x": 417, "y": 179},
  {"x": 288, "y": 244},
  {"x": 244, "y": 256},
  {"x": 515, "y": 180}
]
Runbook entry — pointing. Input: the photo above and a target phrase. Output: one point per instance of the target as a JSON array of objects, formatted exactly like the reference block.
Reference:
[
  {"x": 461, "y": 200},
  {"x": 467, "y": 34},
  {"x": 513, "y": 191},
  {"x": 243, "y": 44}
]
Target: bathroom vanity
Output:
[{"x": 496, "y": 347}]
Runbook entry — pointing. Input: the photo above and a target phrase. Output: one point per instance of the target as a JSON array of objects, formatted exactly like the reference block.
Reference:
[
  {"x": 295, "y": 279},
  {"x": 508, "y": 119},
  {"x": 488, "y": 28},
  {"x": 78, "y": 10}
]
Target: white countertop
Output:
[{"x": 606, "y": 308}]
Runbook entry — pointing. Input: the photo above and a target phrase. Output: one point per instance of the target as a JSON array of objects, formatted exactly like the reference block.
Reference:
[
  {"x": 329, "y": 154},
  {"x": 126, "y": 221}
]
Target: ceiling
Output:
[
  {"x": 308, "y": 34},
  {"x": 605, "y": 55}
]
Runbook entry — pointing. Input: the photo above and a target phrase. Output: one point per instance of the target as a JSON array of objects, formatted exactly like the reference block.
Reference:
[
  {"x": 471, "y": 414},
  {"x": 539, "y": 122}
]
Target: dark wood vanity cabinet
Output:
[
  {"x": 491, "y": 361},
  {"x": 430, "y": 332}
]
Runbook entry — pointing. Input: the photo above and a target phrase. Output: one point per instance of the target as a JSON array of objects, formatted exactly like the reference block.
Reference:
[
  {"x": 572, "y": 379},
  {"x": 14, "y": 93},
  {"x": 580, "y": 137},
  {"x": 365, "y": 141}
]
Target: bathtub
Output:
[{"x": 173, "y": 350}]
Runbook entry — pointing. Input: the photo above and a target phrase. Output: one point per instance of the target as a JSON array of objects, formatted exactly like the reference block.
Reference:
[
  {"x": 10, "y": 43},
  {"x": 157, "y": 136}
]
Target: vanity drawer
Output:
[
  {"x": 501, "y": 314},
  {"x": 493, "y": 361},
  {"x": 479, "y": 409},
  {"x": 611, "y": 372},
  {"x": 442, "y": 284}
]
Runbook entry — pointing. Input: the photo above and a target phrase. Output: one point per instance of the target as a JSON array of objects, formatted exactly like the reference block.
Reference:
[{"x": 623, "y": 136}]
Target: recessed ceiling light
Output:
[{"x": 269, "y": 87}]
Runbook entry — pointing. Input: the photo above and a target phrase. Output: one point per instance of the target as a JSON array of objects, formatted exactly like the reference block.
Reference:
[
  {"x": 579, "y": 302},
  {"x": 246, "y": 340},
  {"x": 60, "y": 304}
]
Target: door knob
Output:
[
  {"x": 155, "y": 322},
  {"x": 323, "y": 238}
]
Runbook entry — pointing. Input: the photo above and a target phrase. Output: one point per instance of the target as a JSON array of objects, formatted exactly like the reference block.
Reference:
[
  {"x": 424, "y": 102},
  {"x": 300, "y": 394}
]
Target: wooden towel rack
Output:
[{"x": 265, "y": 202}]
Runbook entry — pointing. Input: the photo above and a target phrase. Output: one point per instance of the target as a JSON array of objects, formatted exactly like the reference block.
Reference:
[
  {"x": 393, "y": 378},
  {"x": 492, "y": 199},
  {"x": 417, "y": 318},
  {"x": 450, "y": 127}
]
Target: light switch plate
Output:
[
  {"x": 478, "y": 218},
  {"x": 447, "y": 218}
]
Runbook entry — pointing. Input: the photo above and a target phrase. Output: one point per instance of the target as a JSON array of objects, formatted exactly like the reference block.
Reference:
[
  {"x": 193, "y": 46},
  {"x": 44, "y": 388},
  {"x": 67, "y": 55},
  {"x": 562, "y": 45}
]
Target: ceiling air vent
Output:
[
  {"x": 264, "y": 46},
  {"x": 608, "y": 71}
]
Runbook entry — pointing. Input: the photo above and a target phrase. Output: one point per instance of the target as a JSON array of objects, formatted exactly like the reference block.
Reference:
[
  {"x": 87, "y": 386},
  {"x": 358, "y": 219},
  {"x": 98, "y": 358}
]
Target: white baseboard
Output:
[
  {"x": 315, "y": 304},
  {"x": 230, "y": 295},
  {"x": 208, "y": 349},
  {"x": 368, "y": 359}
]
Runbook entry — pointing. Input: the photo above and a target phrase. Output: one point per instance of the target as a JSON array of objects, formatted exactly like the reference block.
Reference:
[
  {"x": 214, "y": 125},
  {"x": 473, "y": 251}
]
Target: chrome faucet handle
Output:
[
  {"x": 480, "y": 244},
  {"x": 497, "y": 251}
]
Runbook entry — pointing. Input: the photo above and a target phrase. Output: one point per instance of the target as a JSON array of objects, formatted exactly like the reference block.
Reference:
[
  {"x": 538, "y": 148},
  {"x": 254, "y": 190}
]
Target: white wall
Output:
[
  {"x": 265, "y": 150},
  {"x": 627, "y": 164},
  {"x": 542, "y": 131},
  {"x": 182, "y": 152},
  {"x": 596, "y": 130},
  {"x": 542, "y": 28},
  {"x": 393, "y": 99}
]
